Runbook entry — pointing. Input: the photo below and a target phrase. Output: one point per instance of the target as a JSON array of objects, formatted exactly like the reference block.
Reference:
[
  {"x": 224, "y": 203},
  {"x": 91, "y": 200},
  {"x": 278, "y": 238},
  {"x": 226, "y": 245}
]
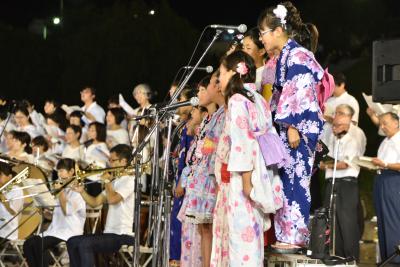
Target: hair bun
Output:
[{"x": 293, "y": 18}]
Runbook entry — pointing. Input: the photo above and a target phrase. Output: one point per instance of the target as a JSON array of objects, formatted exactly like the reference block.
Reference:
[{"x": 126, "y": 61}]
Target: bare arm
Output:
[{"x": 247, "y": 185}]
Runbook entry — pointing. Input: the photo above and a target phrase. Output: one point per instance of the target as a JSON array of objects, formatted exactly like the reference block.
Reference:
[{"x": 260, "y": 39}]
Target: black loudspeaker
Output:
[{"x": 386, "y": 71}]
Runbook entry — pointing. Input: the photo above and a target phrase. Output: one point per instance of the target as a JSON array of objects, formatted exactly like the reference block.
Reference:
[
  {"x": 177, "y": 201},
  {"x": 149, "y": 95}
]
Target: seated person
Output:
[
  {"x": 68, "y": 219},
  {"x": 118, "y": 231},
  {"x": 9, "y": 207}
]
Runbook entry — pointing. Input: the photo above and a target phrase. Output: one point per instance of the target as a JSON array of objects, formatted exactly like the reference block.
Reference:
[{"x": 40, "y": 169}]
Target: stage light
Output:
[
  {"x": 56, "y": 20},
  {"x": 152, "y": 12},
  {"x": 231, "y": 31}
]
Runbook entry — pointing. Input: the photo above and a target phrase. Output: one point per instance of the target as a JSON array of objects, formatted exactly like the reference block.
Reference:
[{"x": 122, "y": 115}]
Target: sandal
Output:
[
  {"x": 285, "y": 248},
  {"x": 174, "y": 263}
]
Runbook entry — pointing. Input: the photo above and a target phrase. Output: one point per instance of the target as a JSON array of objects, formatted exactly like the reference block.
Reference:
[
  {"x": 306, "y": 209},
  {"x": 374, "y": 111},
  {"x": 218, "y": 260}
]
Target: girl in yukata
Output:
[
  {"x": 245, "y": 196},
  {"x": 252, "y": 45},
  {"x": 297, "y": 116},
  {"x": 186, "y": 137},
  {"x": 200, "y": 197},
  {"x": 190, "y": 235}
]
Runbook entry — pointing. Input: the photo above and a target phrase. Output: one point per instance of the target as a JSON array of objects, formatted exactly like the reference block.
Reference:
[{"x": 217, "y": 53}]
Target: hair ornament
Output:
[
  {"x": 280, "y": 12},
  {"x": 242, "y": 69}
]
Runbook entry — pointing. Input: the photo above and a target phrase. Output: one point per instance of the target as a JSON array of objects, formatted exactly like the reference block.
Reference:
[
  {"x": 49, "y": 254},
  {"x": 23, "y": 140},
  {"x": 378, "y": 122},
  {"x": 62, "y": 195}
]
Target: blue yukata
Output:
[
  {"x": 294, "y": 103},
  {"x": 176, "y": 225}
]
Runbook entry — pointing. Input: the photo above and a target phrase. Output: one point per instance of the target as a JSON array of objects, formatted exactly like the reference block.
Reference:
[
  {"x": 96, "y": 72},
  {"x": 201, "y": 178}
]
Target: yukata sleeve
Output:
[
  {"x": 298, "y": 106},
  {"x": 241, "y": 155}
]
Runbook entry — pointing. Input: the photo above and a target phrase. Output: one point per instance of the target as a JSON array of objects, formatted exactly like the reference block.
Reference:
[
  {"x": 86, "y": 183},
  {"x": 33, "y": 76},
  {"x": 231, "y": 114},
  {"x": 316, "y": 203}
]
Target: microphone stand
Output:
[
  {"x": 8, "y": 120},
  {"x": 332, "y": 201},
  {"x": 158, "y": 257},
  {"x": 332, "y": 208}
]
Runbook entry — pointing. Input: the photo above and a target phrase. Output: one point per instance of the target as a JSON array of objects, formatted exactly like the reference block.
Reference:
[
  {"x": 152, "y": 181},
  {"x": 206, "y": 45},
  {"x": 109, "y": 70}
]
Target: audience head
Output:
[
  {"x": 115, "y": 116},
  {"x": 120, "y": 155},
  {"x": 389, "y": 123},
  {"x": 97, "y": 132},
  {"x": 88, "y": 94},
  {"x": 65, "y": 168},
  {"x": 142, "y": 94}
]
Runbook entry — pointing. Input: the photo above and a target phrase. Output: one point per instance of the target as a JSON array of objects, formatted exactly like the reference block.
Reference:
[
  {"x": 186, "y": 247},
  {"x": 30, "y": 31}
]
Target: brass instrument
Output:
[
  {"x": 17, "y": 179},
  {"x": 116, "y": 171}
]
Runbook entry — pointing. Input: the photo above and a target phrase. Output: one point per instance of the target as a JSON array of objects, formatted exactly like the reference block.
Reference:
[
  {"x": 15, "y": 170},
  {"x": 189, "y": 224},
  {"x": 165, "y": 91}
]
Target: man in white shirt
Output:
[
  {"x": 340, "y": 96},
  {"x": 93, "y": 111},
  {"x": 118, "y": 231},
  {"x": 387, "y": 187},
  {"x": 346, "y": 185}
]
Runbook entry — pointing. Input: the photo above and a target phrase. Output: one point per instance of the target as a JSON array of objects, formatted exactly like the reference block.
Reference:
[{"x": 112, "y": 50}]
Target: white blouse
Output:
[{"x": 64, "y": 226}]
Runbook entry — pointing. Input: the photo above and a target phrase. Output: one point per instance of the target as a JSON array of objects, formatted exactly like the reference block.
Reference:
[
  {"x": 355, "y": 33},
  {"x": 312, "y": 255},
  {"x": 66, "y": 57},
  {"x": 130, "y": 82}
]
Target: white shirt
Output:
[
  {"x": 119, "y": 136},
  {"x": 9, "y": 127},
  {"x": 120, "y": 216},
  {"x": 345, "y": 98},
  {"x": 97, "y": 154},
  {"x": 29, "y": 158},
  {"x": 30, "y": 129},
  {"x": 259, "y": 72},
  {"x": 16, "y": 205},
  {"x": 330, "y": 108},
  {"x": 38, "y": 120},
  {"x": 72, "y": 223},
  {"x": 359, "y": 135},
  {"x": 96, "y": 110},
  {"x": 75, "y": 153},
  {"x": 389, "y": 150},
  {"x": 349, "y": 148}
]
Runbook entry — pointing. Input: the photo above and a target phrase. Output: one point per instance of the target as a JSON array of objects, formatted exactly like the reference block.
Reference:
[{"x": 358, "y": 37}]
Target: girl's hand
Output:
[{"x": 293, "y": 137}]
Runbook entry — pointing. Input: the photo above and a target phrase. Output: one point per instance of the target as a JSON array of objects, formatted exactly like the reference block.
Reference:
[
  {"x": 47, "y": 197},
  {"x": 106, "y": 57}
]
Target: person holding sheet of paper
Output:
[
  {"x": 340, "y": 96},
  {"x": 387, "y": 186},
  {"x": 92, "y": 111},
  {"x": 348, "y": 230}
]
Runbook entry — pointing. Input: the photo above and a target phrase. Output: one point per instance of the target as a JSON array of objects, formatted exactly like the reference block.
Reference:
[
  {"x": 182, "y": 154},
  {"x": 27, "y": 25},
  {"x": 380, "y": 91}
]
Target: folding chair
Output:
[
  {"x": 93, "y": 217},
  {"x": 13, "y": 248},
  {"x": 126, "y": 253},
  {"x": 62, "y": 259}
]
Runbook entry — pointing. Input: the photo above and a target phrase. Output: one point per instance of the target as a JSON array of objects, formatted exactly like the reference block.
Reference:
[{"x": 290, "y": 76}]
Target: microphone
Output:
[
  {"x": 208, "y": 69},
  {"x": 241, "y": 28},
  {"x": 194, "y": 101},
  {"x": 138, "y": 118}
]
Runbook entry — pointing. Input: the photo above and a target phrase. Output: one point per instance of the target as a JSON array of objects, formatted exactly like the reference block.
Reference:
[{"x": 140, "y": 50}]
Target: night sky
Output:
[{"x": 20, "y": 13}]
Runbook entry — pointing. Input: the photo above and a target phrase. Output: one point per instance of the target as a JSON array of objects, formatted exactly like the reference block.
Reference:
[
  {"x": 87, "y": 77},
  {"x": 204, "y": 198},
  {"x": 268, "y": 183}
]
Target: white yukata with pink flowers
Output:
[{"x": 248, "y": 217}]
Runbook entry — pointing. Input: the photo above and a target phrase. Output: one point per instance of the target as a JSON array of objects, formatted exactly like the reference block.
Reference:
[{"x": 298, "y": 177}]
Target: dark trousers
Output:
[
  {"x": 347, "y": 215},
  {"x": 387, "y": 208},
  {"x": 81, "y": 249},
  {"x": 315, "y": 190},
  {"x": 35, "y": 254}
]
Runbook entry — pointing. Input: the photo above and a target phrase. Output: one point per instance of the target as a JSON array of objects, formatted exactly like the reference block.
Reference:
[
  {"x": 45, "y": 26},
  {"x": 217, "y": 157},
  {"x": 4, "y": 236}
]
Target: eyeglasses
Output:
[{"x": 262, "y": 33}]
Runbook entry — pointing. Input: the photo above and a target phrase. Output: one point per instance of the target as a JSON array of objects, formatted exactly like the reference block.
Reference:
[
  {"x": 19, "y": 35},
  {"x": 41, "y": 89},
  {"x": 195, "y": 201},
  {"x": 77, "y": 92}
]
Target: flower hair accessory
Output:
[
  {"x": 280, "y": 12},
  {"x": 242, "y": 69}
]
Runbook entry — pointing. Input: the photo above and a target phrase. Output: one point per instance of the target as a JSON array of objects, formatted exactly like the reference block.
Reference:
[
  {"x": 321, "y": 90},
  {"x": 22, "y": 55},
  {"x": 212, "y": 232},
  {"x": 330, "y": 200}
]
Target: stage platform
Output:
[{"x": 295, "y": 260}]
